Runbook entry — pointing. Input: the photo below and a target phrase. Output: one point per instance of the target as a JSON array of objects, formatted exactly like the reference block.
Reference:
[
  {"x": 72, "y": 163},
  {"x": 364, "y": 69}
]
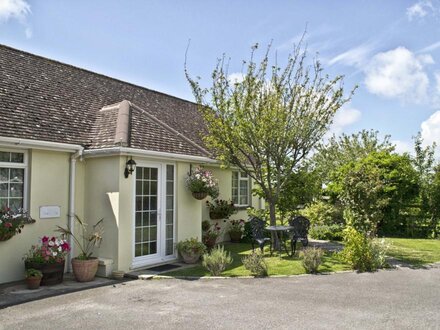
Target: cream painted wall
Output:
[
  {"x": 224, "y": 177},
  {"x": 189, "y": 209},
  {"x": 48, "y": 175},
  {"x": 101, "y": 195}
]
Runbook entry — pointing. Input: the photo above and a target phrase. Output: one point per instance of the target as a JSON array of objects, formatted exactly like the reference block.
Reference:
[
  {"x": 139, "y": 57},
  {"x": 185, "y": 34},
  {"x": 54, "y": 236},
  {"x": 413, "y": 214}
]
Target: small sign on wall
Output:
[{"x": 48, "y": 212}]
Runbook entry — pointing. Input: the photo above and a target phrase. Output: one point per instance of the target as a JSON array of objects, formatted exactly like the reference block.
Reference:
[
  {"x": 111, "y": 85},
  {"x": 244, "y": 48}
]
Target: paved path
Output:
[{"x": 392, "y": 299}]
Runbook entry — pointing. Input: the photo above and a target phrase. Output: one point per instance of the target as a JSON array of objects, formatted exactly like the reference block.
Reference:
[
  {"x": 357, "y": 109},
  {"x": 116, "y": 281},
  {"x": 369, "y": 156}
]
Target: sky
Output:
[{"x": 390, "y": 49}]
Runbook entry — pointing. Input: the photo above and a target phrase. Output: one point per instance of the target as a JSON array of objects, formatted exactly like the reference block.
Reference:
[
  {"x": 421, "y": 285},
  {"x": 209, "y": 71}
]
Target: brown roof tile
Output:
[{"x": 42, "y": 99}]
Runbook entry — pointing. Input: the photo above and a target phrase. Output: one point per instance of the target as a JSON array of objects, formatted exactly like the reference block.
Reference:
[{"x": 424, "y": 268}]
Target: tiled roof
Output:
[{"x": 42, "y": 99}]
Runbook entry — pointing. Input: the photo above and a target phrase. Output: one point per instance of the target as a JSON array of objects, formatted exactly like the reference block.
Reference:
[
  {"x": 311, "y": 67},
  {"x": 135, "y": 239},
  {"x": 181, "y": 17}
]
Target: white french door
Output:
[{"x": 154, "y": 214}]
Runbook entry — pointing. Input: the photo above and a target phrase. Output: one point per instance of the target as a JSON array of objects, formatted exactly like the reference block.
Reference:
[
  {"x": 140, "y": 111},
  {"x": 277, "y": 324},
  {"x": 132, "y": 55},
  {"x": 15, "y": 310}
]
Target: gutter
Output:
[
  {"x": 38, "y": 144},
  {"x": 124, "y": 151}
]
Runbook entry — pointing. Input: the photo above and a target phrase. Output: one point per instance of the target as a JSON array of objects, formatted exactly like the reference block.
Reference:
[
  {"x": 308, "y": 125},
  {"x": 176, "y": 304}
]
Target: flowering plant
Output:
[
  {"x": 236, "y": 226},
  {"x": 202, "y": 181},
  {"x": 220, "y": 209},
  {"x": 51, "y": 250},
  {"x": 210, "y": 234},
  {"x": 88, "y": 240},
  {"x": 11, "y": 223}
]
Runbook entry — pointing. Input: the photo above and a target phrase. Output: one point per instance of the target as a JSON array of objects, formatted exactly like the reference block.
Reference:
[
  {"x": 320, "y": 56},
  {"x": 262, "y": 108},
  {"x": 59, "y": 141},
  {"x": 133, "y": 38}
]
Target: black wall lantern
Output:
[{"x": 130, "y": 166}]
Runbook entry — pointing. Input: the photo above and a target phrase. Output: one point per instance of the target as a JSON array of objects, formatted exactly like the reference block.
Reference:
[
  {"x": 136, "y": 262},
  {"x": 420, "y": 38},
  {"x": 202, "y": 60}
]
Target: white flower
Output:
[
  {"x": 54, "y": 253},
  {"x": 60, "y": 249},
  {"x": 51, "y": 243}
]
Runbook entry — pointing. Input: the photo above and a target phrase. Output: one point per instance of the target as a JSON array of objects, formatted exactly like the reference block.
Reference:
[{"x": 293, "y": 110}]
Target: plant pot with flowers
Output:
[
  {"x": 33, "y": 278},
  {"x": 49, "y": 258},
  {"x": 191, "y": 250},
  {"x": 85, "y": 266},
  {"x": 210, "y": 234},
  {"x": 202, "y": 183},
  {"x": 11, "y": 223},
  {"x": 220, "y": 209},
  {"x": 236, "y": 229}
]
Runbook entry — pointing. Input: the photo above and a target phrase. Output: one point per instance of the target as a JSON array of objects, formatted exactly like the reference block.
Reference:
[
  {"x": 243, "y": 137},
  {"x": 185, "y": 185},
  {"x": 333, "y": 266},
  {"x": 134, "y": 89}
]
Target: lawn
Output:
[
  {"x": 283, "y": 265},
  {"x": 414, "y": 251}
]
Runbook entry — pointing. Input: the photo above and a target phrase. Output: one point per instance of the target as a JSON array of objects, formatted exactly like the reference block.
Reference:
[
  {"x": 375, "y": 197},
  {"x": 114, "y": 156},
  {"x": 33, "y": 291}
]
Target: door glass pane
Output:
[
  {"x": 169, "y": 233},
  {"x": 147, "y": 205}
]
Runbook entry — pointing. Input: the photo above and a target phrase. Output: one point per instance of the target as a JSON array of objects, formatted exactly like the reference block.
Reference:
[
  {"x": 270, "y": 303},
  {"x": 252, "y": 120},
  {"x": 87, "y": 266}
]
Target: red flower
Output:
[
  {"x": 65, "y": 246},
  {"x": 8, "y": 225},
  {"x": 44, "y": 239}
]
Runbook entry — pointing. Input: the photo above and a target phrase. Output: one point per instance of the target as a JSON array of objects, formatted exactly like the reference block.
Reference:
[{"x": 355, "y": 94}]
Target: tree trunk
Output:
[{"x": 273, "y": 222}]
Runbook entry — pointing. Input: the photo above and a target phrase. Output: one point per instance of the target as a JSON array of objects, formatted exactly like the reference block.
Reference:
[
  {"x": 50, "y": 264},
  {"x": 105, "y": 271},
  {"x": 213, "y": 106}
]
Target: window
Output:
[
  {"x": 12, "y": 179},
  {"x": 240, "y": 188}
]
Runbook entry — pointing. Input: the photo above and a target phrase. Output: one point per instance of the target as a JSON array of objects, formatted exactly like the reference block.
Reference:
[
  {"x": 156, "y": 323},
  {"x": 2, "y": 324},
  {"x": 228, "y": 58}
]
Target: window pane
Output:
[
  {"x": 17, "y": 157},
  {"x": 4, "y": 190},
  {"x": 170, "y": 188},
  {"x": 4, "y": 174},
  {"x": 138, "y": 219},
  {"x": 5, "y": 156},
  {"x": 169, "y": 202},
  {"x": 16, "y": 190},
  {"x": 153, "y": 246},
  {"x": 17, "y": 175},
  {"x": 138, "y": 250},
  {"x": 153, "y": 234},
  {"x": 243, "y": 175},
  {"x": 138, "y": 173},
  {"x": 169, "y": 247},
  {"x": 15, "y": 203},
  {"x": 170, "y": 172},
  {"x": 243, "y": 200},
  {"x": 169, "y": 217},
  {"x": 154, "y": 174}
]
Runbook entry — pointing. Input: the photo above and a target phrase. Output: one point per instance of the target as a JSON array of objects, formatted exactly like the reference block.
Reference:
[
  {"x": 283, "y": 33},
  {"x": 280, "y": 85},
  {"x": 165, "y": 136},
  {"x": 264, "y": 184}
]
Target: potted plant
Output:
[
  {"x": 220, "y": 209},
  {"x": 191, "y": 250},
  {"x": 85, "y": 266},
  {"x": 33, "y": 278},
  {"x": 202, "y": 183},
  {"x": 49, "y": 258},
  {"x": 11, "y": 223},
  {"x": 210, "y": 234},
  {"x": 236, "y": 229}
]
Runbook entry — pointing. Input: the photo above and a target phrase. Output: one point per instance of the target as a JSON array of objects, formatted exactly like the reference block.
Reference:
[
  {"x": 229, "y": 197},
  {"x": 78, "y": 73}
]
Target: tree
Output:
[
  {"x": 338, "y": 151},
  {"x": 267, "y": 123},
  {"x": 374, "y": 189}
]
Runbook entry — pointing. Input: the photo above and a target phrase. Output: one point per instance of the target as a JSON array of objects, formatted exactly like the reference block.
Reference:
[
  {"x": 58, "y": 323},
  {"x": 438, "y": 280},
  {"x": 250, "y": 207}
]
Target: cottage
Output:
[{"x": 68, "y": 138}]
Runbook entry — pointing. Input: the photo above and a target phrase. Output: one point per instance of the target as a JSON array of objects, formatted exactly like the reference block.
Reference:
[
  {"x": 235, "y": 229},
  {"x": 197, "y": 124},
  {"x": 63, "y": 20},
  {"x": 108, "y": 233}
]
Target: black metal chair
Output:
[
  {"x": 257, "y": 228},
  {"x": 299, "y": 231}
]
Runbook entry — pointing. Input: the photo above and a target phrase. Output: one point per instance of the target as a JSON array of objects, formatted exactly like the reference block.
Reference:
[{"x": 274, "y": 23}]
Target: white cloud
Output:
[
  {"x": 14, "y": 9},
  {"x": 344, "y": 117},
  {"x": 236, "y": 78},
  {"x": 399, "y": 73},
  {"x": 431, "y": 129},
  {"x": 403, "y": 146},
  {"x": 430, "y": 47},
  {"x": 420, "y": 9},
  {"x": 356, "y": 56}
]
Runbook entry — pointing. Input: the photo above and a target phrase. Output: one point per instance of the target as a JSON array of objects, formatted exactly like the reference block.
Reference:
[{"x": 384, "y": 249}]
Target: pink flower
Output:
[
  {"x": 44, "y": 239},
  {"x": 8, "y": 225}
]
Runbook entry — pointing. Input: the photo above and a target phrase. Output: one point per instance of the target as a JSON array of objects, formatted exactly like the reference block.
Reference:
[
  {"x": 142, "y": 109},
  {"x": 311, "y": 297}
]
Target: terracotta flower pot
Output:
[
  {"x": 199, "y": 195},
  {"x": 33, "y": 283},
  {"x": 85, "y": 270},
  {"x": 52, "y": 273}
]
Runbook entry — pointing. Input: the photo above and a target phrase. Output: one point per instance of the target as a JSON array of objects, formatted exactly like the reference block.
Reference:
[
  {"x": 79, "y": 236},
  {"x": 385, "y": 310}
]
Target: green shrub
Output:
[
  {"x": 327, "y": 232},
  {"x": 32, "y": 272},
  {"x": 256, "y": 264},
  {"x": 216, "y": 261},
  {"x": 191, "y": 246},
  {"x": 312, "y": 259},
  {"x": 361, "y": 252},
  {"x": 323, "y": 213}
]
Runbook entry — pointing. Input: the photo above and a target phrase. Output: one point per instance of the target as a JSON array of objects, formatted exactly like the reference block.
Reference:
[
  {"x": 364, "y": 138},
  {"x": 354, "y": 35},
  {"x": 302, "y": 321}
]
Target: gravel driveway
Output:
[{"x": 397, "y": 299}]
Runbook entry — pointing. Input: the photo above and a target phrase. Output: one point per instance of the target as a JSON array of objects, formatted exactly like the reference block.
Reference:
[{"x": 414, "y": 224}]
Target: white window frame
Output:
[
  {"x": 240, "y": 178},
  {"x": 24, "y": 166}
]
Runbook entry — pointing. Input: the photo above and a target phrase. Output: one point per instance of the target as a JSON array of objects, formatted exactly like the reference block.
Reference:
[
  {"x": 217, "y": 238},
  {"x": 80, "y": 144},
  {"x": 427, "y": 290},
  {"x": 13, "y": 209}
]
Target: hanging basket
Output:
[
  {"x": 200, "y": 195},
  {"x": 6, "y": 236},
  {"x": 216, "y": 215}
]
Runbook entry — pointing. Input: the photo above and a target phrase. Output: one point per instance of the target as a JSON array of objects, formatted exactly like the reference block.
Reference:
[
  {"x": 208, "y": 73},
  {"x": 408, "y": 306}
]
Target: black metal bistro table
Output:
[{"x": 279, "y": 233}]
